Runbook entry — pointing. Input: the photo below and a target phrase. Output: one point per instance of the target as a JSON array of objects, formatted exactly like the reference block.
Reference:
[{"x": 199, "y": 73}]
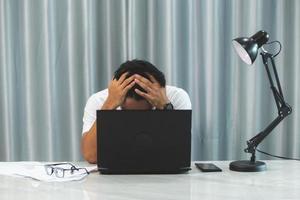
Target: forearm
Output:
[
  {"x": 89, "y": 139},
  {"x": 89, "y": 145}
]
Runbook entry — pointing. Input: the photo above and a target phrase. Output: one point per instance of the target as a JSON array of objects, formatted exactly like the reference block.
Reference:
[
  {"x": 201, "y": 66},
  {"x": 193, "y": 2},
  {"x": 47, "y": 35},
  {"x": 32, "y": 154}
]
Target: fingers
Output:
[
  {"x": 153, "y": 80},
  {"x": 143, "y": 94},
  {"x": 142, "y": 79},
  {"x": 146, "y": 87},
  {"x": 122, "y": 78},
  {"x": 146, "y": 84},
  {"x": 127, "y": 81},
  {"x": 130, "y": 85}
]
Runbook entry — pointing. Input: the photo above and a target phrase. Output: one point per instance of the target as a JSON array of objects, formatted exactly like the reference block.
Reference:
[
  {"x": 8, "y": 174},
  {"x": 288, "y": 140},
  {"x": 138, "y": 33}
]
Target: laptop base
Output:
[{"x": 145, "y": 171}]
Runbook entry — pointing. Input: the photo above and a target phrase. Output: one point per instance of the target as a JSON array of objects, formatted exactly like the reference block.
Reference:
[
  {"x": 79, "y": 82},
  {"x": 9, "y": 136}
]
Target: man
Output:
[{"x": 136, "y": 84}]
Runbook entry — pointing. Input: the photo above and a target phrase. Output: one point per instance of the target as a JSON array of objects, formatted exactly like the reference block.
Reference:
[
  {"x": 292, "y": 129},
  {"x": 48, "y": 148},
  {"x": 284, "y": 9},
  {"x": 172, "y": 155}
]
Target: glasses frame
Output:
[{"x": 53, "y": 169}]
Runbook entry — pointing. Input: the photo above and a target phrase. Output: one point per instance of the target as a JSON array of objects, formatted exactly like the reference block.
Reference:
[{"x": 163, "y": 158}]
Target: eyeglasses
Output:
[{"x": 60, "y": 169}]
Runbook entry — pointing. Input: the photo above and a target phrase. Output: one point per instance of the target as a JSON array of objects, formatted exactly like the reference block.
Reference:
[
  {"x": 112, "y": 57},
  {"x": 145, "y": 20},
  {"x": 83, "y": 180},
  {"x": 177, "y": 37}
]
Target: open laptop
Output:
[{"x": 143, "y": 141}]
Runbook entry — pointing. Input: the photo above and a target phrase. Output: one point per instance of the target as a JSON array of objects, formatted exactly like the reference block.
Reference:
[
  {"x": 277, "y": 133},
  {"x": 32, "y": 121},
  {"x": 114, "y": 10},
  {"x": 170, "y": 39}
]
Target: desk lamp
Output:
[{"x": 247, "y": 49}]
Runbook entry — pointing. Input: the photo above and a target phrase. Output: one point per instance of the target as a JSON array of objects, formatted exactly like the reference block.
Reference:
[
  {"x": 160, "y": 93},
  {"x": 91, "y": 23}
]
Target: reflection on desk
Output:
[{"x": 278, "y": 182}]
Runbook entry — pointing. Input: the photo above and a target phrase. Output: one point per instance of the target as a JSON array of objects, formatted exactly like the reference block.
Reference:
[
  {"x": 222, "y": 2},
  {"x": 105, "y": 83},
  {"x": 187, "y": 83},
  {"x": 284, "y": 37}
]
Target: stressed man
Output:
[{"x": 137, "y": 84}]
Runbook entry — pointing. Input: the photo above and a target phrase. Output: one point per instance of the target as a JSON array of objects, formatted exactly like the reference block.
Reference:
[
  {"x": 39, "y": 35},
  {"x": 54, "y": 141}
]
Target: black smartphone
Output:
[{"x": 208, "y": 167}]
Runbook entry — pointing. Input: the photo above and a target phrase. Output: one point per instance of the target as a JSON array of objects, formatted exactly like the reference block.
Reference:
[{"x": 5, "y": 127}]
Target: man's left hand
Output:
[{"x": 156, "y": 95}]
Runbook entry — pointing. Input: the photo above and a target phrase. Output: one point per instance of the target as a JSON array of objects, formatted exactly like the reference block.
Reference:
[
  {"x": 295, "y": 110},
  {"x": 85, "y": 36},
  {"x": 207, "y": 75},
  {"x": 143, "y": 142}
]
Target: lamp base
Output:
[{"x": 247, "y": 166}]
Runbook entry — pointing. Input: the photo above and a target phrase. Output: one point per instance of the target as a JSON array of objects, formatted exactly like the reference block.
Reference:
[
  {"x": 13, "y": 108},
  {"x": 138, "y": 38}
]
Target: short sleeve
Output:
[
  {"x": 179, "y": 98},
  {"x": 93, "y": 104}
]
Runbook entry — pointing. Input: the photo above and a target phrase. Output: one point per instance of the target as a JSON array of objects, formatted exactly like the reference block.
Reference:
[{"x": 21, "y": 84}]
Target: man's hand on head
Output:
[
  {"x": 155, "y": 94},
  {"x": 117, "y": 91}
]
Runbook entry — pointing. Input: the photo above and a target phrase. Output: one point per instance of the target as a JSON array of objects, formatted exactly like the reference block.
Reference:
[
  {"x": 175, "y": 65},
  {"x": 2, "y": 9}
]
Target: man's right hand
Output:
[{"x": 117, "y": 91}]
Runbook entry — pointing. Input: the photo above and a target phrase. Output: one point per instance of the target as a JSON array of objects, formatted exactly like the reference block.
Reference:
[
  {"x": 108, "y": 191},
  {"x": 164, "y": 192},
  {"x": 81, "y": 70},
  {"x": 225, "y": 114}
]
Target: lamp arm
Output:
[
  {"x": 257, "y": 139},
  {"x": 284, "y": 109},
  {"x": 276, "y": 77},
  {"x": 277, "y": 92}
]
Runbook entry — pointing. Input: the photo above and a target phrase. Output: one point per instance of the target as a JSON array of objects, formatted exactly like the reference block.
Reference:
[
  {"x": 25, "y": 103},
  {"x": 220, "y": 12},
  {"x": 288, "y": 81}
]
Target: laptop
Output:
[{"x": 143, "y": 141}]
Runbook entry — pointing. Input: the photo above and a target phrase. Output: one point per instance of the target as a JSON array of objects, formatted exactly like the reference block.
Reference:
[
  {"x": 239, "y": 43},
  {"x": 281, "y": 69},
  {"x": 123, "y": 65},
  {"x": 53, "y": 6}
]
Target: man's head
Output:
[{"x": 143, "y": 68}]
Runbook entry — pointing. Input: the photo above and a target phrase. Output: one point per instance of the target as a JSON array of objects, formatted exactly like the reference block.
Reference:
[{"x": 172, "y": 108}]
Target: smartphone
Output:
[{"x": 208, "y": 167}]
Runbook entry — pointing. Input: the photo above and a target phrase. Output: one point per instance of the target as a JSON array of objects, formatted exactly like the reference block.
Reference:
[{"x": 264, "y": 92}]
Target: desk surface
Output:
[{"x": 280, "y": 181}]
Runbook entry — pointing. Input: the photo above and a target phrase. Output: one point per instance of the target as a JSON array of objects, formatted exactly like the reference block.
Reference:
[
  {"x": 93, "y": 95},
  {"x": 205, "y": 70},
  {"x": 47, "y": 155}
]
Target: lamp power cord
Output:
[
  {"x": 269, "y": 43},
  {"x": 281, "y": 157}
]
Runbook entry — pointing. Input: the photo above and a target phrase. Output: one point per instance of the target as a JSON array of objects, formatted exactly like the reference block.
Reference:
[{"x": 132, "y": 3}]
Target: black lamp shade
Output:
[{"x": 247, "y": 48}]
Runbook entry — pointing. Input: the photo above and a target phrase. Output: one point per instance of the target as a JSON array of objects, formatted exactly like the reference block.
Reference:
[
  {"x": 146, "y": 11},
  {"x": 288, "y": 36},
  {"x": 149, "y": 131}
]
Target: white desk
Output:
[{"x": 280, "y": 181}]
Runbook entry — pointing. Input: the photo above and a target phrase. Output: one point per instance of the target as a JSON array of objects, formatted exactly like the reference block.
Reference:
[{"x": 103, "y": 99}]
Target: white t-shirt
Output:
[{"x": 177, "y": 96}]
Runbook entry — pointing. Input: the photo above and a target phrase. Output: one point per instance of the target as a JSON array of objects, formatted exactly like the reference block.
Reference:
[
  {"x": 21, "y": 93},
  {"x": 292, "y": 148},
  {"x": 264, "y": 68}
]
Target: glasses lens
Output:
[
  {"x": 59, "y": 172},
  {"x": 75, "y": 172},
  {"x": 64, "y": 170},
  {"x": 49, "y": 170}
]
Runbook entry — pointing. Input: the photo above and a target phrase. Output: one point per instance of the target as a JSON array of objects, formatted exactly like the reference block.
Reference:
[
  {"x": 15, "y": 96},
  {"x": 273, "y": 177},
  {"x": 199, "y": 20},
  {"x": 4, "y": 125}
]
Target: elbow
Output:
[{"x": 90, "y": 158}]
